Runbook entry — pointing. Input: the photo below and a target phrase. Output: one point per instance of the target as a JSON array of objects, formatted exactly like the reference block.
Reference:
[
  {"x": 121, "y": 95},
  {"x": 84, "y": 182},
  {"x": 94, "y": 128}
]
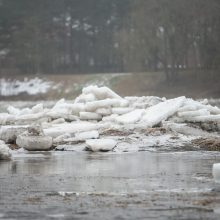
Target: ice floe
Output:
[
  {"x": 101, "y": 120},
  {"x": 216, "y": 172},
  {"x": 101, "y": 144},
  {"x": 4, "y": 151},
  {"x": 34, "y": 139}
]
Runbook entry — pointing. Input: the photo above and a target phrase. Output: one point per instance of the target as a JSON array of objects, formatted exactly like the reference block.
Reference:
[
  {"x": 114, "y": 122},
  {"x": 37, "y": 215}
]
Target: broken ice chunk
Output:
[
  {"x": 216, "y": 172},
  {"x": 104, "y": 111},
  {"x": 110, "y": 118},
  {"x": 37, "y": 108},
  {"x": 101, "y": 144},
  {"x": 4, "y": 151},
  {"x": 10, "y": 133},
  {"x": 34, "y": 143},
  {"x": 87, "y": 135},
  {"x": 89, "y": 116},
  {"x": 13, "y": 111},
  {"x": 157, "y": 113},
  {"x": 101, "y": 93},
  {"x": 34, "y": 139},
  {"x": 106, "y": 103},
  {"x": 200, "y": 112},
  {"x": 131, "y": 117},
  {"x": 121, "y": 111},
  {"x": 59, "y": 129},
  {"x": 83, "y": 98},
  {"x": 205, "y": 118}
]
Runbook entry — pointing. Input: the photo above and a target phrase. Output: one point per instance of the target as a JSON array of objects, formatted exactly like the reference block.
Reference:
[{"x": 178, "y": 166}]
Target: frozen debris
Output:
[
  {"x": 9, "y": 133},
  {"x": 121, "y": 111},
  {"x": 144, "y": 101},
  {"x": 87, "y": 135},
  {"x": 101, "y": 144},
  {"x": 105, "y": 103},
  {"x": 58, "y": 121},
  {"x": 185, "y": 129},
  {"x": 83, "y": 98},
  {"x": 157, "y": 113},
  {"x": 4, "y": 151},
  {"x": 216, "y": 172},
  {"x": 89, "y": 116},
  {"x": 82, "y": 126},
  {"x": 101, "y": 93},
  {"x": 34, "y": 143},
  {"x": 34, "y": 139},
  {"x": 79, "y": 147},
  {"x": 13, "y": 111},
  {"x": 111, "y": 118},
  {"x": 192, "y": 105},
  {"x": 131, "y": 117},
  {"x": 35, "y": 130},
  {"x": 189, "y": 114},
  {"x": 61, "y": 138},
  {"x": 37, "y": 108},
  {"x": 53, "y": 115},
  {"x": 206, "y": 118},
  {"x": 104, "y": 111},
  {"x": 6, "y": 118}
]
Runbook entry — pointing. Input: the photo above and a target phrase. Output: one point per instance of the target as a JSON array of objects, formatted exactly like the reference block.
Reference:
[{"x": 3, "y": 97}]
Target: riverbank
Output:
[{"x": 203, "y": 85}]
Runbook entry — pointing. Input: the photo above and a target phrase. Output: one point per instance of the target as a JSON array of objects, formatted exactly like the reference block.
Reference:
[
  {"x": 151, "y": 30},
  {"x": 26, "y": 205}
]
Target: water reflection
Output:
[{"x": 103, "y": 172}]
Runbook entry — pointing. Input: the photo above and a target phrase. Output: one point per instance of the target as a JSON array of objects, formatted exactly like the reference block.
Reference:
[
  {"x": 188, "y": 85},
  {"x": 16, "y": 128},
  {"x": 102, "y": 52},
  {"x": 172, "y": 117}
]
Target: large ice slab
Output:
[
  {"x": 131, "y": 117},
  {"x": 157, "y": 113}
]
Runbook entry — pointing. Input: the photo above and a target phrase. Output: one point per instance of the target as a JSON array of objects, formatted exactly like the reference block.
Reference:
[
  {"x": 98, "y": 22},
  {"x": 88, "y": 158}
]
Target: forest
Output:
[{"x": 92, "y": 36}]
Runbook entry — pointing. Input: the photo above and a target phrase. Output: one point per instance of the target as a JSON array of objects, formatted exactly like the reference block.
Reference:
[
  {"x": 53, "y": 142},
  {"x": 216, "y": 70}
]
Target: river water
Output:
[{"x": 143, "y": 185}]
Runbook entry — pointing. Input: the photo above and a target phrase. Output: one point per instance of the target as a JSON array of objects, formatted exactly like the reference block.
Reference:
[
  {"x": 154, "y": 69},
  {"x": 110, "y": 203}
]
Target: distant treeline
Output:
[{"x": 81, "y": 36}]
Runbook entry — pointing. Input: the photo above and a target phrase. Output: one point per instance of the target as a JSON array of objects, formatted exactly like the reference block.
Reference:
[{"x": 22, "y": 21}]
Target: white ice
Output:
[
  {"x": 131, "y": 117},
  {"x": 89, "y": 116},
  {"x": 82, "y": 126},
  {"x": 105, "y": 103},
  {"x": 101, "y": 92},
  {"x": 104, "y": 111},
  {"x": 162, "y": 111},
  {"x": 97, "y": 109},
  {"x": 101, "y": 144},
  {"x": 216, "y": 172},
  {"x": 121, "y": 111},
  {"x": 4, "y": 151},
  {"x": 87, "y": 135}
]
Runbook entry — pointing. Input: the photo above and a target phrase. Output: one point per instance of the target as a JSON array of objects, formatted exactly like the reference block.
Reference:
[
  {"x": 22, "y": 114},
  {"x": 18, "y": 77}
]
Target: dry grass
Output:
[
  {"x": 138, "y": 84},
  {"x": 210, "y": 144}
]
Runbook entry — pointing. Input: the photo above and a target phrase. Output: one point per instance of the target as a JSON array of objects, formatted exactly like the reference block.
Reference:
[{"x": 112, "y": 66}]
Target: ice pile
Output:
[{"x": 101, "y": 120}]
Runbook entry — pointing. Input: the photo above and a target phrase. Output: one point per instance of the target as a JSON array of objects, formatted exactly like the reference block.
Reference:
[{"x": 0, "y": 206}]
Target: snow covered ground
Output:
[
  {"x": 101, "y": 120},
  {"x": 9, "y": 87}
]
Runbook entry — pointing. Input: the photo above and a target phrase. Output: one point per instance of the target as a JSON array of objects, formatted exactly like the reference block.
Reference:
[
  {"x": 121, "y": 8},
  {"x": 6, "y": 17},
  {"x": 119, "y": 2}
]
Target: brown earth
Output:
[{"x": 203, "y": 85}]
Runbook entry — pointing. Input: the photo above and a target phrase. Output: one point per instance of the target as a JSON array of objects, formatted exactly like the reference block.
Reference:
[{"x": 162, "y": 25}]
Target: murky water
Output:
[{"x": 73, "y": 185}]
